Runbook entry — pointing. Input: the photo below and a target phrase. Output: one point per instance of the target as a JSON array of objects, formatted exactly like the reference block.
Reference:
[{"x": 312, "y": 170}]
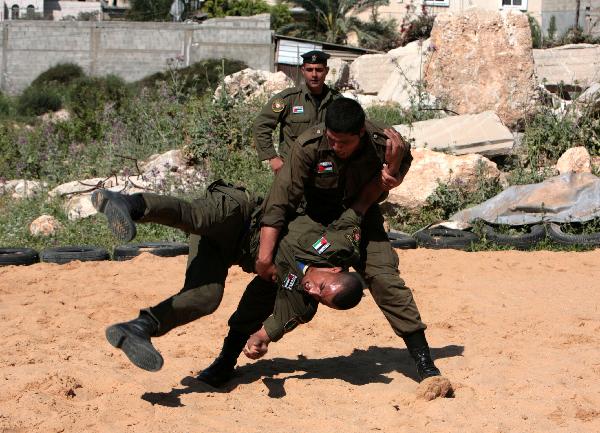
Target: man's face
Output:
[
  {"x": 322, "y": 284},
  {"x": 314, "y": 76},
  {"x": 344, "y": 144}
]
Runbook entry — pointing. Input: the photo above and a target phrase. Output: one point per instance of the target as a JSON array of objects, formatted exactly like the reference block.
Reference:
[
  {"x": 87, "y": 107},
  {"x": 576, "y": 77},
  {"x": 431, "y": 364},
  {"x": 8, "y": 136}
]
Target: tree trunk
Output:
[{"x": 577, "y": 7}]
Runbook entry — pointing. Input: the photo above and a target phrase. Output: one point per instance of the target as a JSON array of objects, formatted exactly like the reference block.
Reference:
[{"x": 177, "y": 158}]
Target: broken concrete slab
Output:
[
  {"x": 339, "y": 73},
  {"x": 568, "y": 64},
  {"x": 402, "y": 85},
  {"x": 370, "y": 71},
  {"x": 591, "y": 95},
  {"x": 481, "y": 133}
]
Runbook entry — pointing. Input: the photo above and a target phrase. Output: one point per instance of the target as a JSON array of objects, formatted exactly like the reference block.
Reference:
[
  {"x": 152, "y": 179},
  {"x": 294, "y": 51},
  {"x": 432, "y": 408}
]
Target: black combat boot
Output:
[
  {"x": 416, "y": 343},
  {"x": 221, "y": 370},
  {"x": 133, "y": 338},
  {"x": 121, "y": 210}
]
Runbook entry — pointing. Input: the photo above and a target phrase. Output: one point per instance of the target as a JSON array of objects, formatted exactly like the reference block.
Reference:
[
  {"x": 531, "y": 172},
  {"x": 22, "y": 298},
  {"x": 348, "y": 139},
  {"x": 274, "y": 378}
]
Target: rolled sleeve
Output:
[
  {"x": 292, "y": 308},
  {"x": 288, "y": 188}
]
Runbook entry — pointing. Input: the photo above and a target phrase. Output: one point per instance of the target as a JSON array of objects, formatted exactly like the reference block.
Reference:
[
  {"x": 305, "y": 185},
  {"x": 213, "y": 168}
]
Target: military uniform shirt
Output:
[
  {"x": 295, "y": 110},
  {"x": 330, "y": 184},
  {"x": 308, "y": 243}
]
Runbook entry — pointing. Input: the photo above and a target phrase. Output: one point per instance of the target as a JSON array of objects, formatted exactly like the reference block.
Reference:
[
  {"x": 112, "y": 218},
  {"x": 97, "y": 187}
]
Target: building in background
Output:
[
  {"x": 563, "y": 11},
  {"x": 21, "y": 9}
]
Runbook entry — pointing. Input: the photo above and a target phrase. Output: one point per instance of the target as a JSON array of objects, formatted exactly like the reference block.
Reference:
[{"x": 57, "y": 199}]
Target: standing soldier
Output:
[
  {"x": 329, "y": 165},
  {"x": 295, "y": 109}
]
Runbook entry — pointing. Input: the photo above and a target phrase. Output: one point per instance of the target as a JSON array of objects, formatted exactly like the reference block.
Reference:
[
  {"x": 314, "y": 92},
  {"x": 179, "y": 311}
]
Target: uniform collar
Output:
[{"x": 307, "y": 95}]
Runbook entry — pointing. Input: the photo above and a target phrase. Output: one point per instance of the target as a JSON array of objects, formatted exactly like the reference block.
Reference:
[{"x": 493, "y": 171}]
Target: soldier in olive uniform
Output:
[
  {"x": 225, "y": 226},
  {"x": 329, "y": 166},
  {"x": 294, "y": 109}
]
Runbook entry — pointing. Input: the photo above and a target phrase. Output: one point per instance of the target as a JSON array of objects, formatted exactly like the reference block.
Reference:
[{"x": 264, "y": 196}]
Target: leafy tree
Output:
[
  {"x": 552, "y": 28},
  {"x": 379, "y": 34},
  {"x": 280, "y": 13},
  {"x": 245, "y": 8},
  {"x": 149, "y": 10},
  {"x": 330, "y": 20},
  {"x": 280, "y": 16}
]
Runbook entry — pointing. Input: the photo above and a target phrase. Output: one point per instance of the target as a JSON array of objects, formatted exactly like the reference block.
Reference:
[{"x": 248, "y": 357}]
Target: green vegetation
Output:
[
  {"x": 195, "y": 79},
  {"x": 114, "y": 124},
  {"x": 536, "y": 32},
  {"x": 61, "y": 74}
]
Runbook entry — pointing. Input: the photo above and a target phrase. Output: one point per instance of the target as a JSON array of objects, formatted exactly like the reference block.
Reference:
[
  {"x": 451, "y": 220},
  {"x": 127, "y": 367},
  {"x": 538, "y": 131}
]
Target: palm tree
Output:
[{"x": 329, "y": 20}]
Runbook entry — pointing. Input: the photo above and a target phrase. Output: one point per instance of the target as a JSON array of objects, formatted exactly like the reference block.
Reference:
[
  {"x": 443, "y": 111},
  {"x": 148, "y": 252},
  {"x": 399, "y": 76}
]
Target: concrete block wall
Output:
[{"x": 131, "y": 50}]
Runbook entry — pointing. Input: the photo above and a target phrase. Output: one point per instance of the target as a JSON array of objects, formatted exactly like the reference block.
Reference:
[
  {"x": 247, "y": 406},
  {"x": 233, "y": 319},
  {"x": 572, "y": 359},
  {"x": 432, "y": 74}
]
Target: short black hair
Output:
[
  {"x": 352, "y": 291},
  {"x": 345, "y": 115}
]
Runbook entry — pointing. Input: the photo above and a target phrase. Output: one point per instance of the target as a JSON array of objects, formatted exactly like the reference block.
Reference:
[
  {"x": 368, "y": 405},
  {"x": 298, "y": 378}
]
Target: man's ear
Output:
[
  {"x": 362, "y": 131},
  {"x": 334, "y": 270},
  {"x": 326, "y": 70}
]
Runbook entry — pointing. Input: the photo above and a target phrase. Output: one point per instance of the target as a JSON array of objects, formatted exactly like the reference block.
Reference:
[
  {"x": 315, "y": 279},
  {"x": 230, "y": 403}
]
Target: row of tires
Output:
[
  {"x": 438, "y": 238},
  {"x": 62, "y": 255}
]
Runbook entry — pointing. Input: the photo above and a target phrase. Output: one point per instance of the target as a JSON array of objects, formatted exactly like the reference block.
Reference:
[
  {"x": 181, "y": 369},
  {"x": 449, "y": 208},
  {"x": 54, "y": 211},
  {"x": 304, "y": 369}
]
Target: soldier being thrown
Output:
[
  {"x": 224, "y": 224},
  {"x": 328, "y": 166}
]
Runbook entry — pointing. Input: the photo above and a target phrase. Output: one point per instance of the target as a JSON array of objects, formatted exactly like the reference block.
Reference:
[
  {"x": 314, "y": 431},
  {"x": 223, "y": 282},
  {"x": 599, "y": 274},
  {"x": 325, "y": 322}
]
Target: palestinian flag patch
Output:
[
  {"x": 290, "y": 280},
  {"x": 321, "y": 245},
  {"x": 325, "y": 167},
  {"x": 297, "y": 109}
]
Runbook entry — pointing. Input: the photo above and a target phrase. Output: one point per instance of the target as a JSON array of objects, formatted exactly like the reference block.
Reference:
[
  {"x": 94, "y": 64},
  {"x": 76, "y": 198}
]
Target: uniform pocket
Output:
[{"x": 326, "y": 181}]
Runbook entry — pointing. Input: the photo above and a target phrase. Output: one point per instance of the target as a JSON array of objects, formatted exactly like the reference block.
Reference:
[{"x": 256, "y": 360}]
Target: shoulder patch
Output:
[
  {"x": 278, "y": 105},
  {"x": 311, "y": 134}
]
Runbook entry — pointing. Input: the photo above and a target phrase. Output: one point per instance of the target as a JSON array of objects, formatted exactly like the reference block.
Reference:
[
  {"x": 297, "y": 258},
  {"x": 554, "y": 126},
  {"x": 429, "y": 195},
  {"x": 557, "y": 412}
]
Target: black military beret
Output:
[{"x": 315, "y": 56}]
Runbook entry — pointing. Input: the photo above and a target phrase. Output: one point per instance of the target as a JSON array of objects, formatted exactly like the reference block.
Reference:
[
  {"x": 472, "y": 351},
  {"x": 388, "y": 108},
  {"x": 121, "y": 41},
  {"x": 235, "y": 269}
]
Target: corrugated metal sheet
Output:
[{"x": 289, "y": 52}]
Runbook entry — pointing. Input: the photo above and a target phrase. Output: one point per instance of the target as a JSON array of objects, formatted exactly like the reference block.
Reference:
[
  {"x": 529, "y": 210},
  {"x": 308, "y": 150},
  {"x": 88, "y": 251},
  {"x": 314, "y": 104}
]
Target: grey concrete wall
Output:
[
  {"x": 564, "y": 21},
  {"x": 131, "y": 50}
]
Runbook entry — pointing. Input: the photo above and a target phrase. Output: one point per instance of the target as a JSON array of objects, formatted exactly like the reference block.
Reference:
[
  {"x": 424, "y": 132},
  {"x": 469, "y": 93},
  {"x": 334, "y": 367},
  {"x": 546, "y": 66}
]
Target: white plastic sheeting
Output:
[{"x": 571, "y": 197}]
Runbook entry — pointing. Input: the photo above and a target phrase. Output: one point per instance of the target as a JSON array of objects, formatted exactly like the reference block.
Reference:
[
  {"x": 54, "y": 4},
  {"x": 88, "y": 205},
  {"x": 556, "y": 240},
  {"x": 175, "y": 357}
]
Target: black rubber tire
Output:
[
  {"x": 18, "y": 256},
  {"x": 521, "y": 241},
  {"x": 556, "y": 234},
  {"x": 83, "y": 253},
  {"x": 401, "y": 240},
  {"x": 441, "y": 238},
  {"x": 161, "y": 249}
]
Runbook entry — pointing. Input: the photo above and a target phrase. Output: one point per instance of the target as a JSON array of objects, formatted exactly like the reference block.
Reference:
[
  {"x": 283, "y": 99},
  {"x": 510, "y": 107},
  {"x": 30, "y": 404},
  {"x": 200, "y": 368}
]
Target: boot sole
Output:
[
  {"x": 139, "y": 351},
  {"x": 119, "y": 220}
]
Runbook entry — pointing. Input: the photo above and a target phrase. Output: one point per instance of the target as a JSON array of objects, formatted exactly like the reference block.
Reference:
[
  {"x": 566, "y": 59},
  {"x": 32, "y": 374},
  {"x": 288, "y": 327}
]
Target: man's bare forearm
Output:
[
  {"x": 369, "y": 195},
  {"x": 264, "y": 266}
]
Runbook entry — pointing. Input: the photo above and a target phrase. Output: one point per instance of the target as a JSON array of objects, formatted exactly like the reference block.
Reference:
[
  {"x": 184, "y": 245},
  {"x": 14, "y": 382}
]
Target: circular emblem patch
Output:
[{"x": 278, "y": 105}]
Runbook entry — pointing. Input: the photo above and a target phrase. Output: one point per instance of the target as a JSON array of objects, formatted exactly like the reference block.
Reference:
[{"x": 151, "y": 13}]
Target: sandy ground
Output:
[{"x": 517, "y": 333}]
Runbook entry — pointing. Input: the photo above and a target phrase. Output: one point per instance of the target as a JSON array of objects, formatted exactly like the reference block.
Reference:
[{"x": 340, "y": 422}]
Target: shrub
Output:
[
  {"x": 4, "y": 105},
  {"x": 456, "y": 195},
  {"x": 62, "y": 74},
  {"x": 195, "y": 79},
  {"x": 549, "y": 134},
  {"x": 37, "y": 100},
  {"x": 418, "y": 28},
  {"x": 220, "y": 132},
  {"x": 552, "y": 28},
  {"x": 90, "y": 95},
  {"x": 536, "y": 32}
]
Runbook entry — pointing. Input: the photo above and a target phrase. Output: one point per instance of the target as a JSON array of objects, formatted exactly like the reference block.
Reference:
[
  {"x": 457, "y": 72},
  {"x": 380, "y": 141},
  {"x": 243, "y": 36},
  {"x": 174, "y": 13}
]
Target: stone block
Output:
[{"x": 481, "y": 133}]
